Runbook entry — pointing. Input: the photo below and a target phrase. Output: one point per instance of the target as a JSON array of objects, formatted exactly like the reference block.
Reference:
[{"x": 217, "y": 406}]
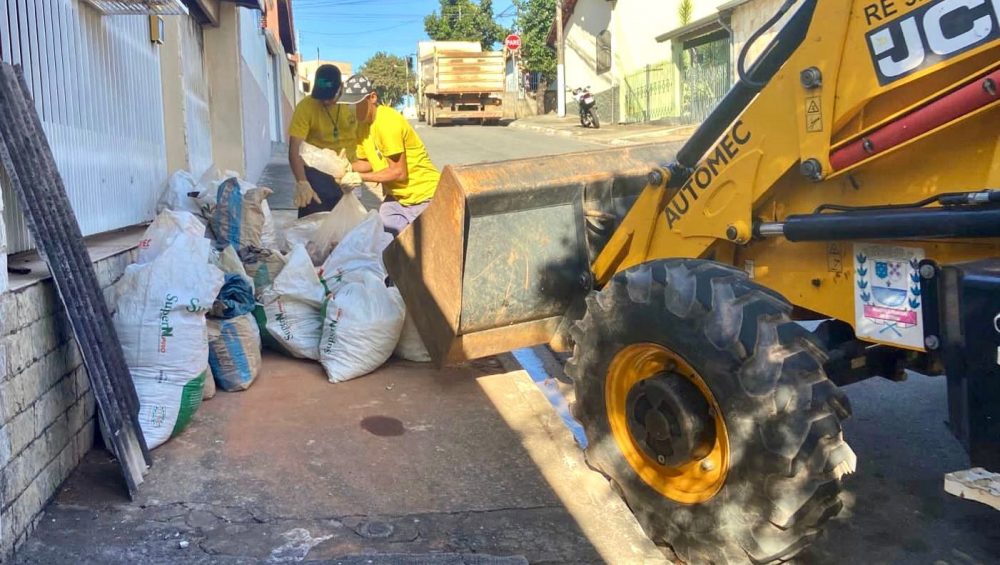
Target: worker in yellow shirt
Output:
[
  {"x": 320, "y": 121},
  {"x": 390, "y": 152}
]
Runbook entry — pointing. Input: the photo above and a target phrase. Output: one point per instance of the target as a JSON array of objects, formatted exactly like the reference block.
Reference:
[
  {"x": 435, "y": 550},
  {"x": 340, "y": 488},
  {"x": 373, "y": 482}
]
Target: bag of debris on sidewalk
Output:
[
  {"x": 411, "y": 347},
  {"x": 238, "y": 218},
  {"x": 182, "y": 195},
  {"x": 362, "y": 323},
  {"x": 363, "y": 318},
  {"x": 301, "y": 230},
  {"x": 262, "y": 266},
  {"x": 160, "y": 321},
  {"x": 360, "y": 250},
  {"x": 234, "y": 355},
  {"x": 290, "y": 307},
  {"x": 165, "y": 229},
  {"x": 345, "y": 216}
]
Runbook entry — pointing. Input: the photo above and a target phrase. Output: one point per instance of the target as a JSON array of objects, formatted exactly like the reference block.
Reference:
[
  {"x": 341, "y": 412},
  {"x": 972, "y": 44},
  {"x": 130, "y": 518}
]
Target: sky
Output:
[{"x": 354, "y": 30}]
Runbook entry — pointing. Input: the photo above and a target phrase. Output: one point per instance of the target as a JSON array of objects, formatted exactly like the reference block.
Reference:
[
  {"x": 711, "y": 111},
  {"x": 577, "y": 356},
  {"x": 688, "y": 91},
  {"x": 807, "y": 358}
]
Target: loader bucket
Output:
[{"x": 501, "y": 253}]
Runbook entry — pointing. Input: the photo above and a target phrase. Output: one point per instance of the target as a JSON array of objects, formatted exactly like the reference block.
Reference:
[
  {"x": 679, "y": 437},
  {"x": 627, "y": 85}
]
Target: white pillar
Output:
[{"x": 560, "y": 61}]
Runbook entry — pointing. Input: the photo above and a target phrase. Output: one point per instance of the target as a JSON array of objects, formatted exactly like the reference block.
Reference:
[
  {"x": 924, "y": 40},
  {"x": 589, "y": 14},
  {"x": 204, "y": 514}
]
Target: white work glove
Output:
[
  {"x": 305, "y": 195},
  {"x": 352, "y": 179},
  {"x": 341, "y": 166}
]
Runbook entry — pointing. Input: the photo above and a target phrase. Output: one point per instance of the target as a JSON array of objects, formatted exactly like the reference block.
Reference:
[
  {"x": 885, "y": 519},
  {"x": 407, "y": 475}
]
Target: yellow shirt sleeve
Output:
[
  {"x": 300, "y": 122},
  {"x": 393, "y": 137}
]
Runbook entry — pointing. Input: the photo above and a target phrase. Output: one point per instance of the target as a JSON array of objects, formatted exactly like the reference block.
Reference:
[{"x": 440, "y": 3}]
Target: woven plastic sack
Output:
[
  {"x": 160, "y": 321},
  {"x": 290, "y": 307},
  {"x": 234, "y": 355},
  {"x": 238, "y": 218},
  {"x": 168, "y": 225},
  {"x": 182, "y": 195},
  {"x": 300, "y": 231},
  {"x": 262, "y": 266},
  {"x": 362, "y": 323},
  {"x": 345, "y": 216},
  {"x": 411, "y": 347}
]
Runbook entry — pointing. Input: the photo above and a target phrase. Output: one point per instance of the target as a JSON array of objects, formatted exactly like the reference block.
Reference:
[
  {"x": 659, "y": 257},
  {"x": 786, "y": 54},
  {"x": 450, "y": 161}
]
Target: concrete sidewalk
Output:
[
  {"x": 441, "y": 464},
  {"x": 608, "y": 134}
]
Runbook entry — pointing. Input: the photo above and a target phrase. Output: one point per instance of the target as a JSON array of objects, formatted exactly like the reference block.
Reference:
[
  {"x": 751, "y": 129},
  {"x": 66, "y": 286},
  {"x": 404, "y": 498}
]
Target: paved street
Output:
[{"x": 462, "y": 145}]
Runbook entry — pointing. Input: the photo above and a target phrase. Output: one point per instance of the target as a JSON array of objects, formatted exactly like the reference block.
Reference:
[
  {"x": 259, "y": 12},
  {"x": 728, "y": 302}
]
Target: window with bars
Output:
[{"x": 603, "y": 52}]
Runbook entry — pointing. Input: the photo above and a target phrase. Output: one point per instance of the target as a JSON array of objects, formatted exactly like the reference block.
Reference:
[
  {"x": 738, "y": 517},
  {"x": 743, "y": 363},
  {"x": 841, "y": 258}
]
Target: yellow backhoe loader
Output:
[{"x": 849, "y": 178}]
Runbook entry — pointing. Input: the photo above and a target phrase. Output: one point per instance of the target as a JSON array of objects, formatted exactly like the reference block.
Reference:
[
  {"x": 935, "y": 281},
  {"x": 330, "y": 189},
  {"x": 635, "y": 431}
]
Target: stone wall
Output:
[{"x": 46, "y": 405}]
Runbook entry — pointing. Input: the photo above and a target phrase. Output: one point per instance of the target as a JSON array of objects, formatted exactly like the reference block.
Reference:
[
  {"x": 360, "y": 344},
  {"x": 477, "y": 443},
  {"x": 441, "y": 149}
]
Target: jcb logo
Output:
[{"x": 931, "y": 34}]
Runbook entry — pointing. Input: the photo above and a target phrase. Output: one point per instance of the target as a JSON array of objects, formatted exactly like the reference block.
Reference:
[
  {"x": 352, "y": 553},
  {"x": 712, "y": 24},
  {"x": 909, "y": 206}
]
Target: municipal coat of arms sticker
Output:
[{"x": 887, "y": 299}]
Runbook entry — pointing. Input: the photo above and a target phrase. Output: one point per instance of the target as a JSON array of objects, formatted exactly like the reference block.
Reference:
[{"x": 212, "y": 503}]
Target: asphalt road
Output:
[
  {"x": 466, "y": 144},
  {"x": 896, "y": 510}
]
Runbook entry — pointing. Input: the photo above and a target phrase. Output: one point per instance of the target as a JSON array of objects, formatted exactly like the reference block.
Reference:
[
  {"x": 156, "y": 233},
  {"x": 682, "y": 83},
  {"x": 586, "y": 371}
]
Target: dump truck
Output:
[
  {"x": 849, "y": 179},
  {"x": 458, "y": 80}
]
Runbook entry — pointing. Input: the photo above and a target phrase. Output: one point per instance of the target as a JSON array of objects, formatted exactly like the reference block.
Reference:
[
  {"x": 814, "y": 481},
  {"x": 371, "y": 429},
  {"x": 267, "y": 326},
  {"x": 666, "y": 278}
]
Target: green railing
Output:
[{"x": 651, "y": 94}]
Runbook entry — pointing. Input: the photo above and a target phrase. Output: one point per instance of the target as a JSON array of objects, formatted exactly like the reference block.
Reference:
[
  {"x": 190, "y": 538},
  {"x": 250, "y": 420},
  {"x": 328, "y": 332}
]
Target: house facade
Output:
[
  {"x": 128, "y": 92},
  {"x": 644, "y": 61}
]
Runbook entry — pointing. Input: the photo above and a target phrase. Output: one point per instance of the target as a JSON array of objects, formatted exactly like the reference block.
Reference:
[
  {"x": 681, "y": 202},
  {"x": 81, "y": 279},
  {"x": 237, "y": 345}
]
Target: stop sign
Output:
[{"x": 513, "y": 42}]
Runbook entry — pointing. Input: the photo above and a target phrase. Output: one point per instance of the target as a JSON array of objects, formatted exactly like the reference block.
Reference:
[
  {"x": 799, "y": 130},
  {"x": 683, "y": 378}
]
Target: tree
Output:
[
  {"x": 463, "y": 20},
  {"x": 389, "y": 73},
  {"x": 534, "y": 20},
  {"x": 685, "y": 11}
]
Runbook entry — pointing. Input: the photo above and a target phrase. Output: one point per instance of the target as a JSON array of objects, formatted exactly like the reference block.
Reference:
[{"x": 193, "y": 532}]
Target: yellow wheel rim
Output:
[{"x": 689, "y": 483}]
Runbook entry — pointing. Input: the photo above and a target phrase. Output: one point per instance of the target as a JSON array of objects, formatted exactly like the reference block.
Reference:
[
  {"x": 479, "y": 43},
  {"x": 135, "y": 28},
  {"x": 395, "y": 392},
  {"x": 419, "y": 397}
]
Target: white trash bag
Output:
[
  {"x": 362, "y": 323},
  {"x": 290, "y": 307},
  {"x": 325, "y": 160},
  {"x": 160, "y": 321},
  {"x": 164, "y": 230}
]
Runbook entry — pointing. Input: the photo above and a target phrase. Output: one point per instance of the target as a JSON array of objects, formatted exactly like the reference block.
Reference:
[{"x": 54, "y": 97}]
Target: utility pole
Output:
[{"x": 560, "y": 62}]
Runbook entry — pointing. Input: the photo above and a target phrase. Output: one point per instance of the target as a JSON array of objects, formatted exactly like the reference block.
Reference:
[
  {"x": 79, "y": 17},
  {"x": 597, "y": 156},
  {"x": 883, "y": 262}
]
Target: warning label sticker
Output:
[
  {"x": 887, "y": 295},
  {"x": 814, "y": 114}
]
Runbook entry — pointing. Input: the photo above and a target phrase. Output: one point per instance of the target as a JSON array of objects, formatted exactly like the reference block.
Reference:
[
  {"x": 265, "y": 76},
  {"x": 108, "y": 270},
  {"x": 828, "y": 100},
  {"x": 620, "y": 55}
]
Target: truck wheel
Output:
[
  {"x": 709, "y": 411},
  {"x": 431, "y": 118}
]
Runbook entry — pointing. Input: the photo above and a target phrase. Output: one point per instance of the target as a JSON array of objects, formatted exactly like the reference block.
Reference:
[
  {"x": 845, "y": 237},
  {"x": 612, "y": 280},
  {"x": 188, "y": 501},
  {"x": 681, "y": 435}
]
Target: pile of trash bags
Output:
[{"x": 215, "y": 282}]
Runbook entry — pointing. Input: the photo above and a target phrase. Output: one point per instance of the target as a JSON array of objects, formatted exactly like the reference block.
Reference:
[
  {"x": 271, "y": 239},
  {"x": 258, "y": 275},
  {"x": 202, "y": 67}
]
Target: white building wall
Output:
[
  {"x": 197, "y": 110},
  {"x": 96, "y": 83},
  {"x": 590, "y": 18},
  {"x": 254, "y": 60}
]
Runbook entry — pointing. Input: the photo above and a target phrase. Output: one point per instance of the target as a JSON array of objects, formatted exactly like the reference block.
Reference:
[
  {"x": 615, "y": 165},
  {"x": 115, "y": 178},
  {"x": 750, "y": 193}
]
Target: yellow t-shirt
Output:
[
  {"x": 390, "y": 135},
  {"x": 315, "y": 123}
]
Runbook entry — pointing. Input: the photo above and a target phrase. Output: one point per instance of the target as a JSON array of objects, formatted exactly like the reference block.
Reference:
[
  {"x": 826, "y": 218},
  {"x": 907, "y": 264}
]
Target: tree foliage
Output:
[
  {"x": 389, "y": 73},
  {"x": 686, "y": 11},
  {"x": 534, "y": 21},
  {"x": 464, "y": 20}
]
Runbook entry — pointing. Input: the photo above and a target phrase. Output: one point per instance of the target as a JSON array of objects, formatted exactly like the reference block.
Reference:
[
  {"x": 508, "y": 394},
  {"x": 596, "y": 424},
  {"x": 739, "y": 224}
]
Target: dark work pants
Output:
[{"x": 328, "y": 190}]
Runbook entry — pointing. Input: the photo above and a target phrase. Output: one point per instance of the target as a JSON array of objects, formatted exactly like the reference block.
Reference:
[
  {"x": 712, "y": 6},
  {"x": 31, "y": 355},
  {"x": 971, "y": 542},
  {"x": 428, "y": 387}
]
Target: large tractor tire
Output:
[{"x": 709, "y": 411}]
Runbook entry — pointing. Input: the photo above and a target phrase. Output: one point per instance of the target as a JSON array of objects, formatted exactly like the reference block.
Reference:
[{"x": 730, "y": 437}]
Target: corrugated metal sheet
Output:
[
  {"x": 139, "y": 7},
  {"x": 96, "y": 85}
]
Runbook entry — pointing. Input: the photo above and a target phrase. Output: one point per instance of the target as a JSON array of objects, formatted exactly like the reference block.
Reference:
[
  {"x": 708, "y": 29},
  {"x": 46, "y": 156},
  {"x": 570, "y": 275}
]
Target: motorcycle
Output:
[{"x": 588, "y": 108}]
